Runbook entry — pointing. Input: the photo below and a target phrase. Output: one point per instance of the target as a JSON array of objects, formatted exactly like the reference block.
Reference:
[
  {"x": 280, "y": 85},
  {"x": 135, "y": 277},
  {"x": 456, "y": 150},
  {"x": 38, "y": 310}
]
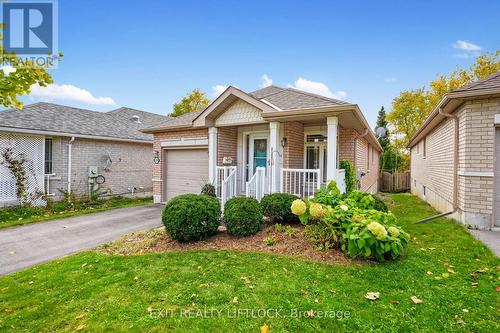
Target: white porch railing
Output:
[
  {"x": 225, "y": 187},
  {"x": 300, "y": 182},
  {"x": 255, "y": 187}
]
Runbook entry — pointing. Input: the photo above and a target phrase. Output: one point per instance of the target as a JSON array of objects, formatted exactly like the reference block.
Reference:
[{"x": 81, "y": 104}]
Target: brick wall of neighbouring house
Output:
[
  {"x": 347, "y": 138},
  {"x": 158, "y": 168},
  {"x": 367, "y": 159},
  {"x": 476, "y": 154},
  {"x": 293, "y": 152},
  {"x": 227, "y": 144},
  {"x": 131, "y": 165}
]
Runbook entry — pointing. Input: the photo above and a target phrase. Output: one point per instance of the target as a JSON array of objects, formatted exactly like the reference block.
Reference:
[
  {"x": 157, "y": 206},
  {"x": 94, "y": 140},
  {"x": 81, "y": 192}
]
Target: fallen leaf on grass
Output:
[
  {"x": 234, "y": 300},
  {"x": 429, "y": 273},
  {"x": 80, "y": 316},
  {"x": 416, "y": 300},
  {"x": 465, "y": 310},
  {"x": 83, "y": 265},
  {"x": 394, "y": 302},
  {"x": 497, "y": 288},
  {"x": 80, "y": 327},
  {"x": 372, "y": 295},
  {"x": 264, "y": 329},
  {"x": 451, "y": 271},
  {"x": 136, "y": 278}
]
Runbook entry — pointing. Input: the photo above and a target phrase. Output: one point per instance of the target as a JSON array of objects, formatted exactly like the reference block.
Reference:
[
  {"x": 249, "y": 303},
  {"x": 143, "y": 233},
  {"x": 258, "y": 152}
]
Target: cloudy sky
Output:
[{"x": 148, "y": 54}]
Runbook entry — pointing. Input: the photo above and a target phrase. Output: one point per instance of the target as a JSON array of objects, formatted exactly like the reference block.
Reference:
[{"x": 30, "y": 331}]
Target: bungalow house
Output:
[
  {"x": 271, "y": 140},
  {"x": 76, "y": 150},
  {"x": 455, "y": 164}
]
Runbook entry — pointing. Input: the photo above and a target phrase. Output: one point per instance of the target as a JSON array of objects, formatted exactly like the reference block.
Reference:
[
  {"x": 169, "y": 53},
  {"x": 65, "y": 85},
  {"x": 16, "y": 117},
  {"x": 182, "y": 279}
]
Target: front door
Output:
[{"x": 257, "y": 154}]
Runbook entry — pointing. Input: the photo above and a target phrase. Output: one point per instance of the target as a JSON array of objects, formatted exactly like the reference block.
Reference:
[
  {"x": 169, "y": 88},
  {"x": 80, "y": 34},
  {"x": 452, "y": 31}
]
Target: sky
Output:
[{"x": 149, "y": 54}]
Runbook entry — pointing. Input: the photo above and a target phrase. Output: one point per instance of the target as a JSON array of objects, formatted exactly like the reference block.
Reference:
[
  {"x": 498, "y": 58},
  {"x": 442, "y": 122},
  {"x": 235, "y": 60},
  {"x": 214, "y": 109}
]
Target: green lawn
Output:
[
  {"x": 10, "y": 217},
  {"x": 95, "y": 292}
]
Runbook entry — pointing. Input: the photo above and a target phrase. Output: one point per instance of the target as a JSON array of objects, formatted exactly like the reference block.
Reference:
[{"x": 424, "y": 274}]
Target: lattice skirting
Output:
[{"x": 32, "y": 147}]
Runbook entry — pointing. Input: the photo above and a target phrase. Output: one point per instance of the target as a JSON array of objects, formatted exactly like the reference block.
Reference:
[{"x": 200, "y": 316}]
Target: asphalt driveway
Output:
[{"x": 31, "y": 244}]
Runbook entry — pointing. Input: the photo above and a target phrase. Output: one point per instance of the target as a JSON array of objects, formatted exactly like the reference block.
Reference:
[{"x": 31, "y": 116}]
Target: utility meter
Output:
[{"x": 93, "y": 172}]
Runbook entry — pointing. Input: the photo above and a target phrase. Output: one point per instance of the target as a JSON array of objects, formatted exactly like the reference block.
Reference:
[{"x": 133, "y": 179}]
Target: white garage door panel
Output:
[
  {"x": 497, "y": 178},
  {"x": 186, "y": 171}
]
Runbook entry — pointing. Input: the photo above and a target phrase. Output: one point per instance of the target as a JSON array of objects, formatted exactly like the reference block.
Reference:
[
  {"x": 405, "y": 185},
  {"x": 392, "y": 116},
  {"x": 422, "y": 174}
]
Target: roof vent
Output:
[{"x": 136, "y": 119}]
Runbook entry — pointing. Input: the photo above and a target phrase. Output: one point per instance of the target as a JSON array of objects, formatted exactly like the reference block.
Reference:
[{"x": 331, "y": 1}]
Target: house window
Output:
[
  {"x": 315, "y": 138},
  {"x": 48, "y": 156}
]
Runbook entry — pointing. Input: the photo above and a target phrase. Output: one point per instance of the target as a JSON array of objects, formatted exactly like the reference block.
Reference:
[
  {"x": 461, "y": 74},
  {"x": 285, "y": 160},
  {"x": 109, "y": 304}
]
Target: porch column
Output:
[
  {"x": 275, "y": 151},
  {"x": 212, "y": 154},
  {"x": 331, "y": 146}
]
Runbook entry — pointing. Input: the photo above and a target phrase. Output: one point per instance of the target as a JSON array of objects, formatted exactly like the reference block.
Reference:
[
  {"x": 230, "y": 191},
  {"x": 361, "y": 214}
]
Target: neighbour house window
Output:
[
  {"x": 48, "y": 156},
  {"x": 423, "y": 189}
]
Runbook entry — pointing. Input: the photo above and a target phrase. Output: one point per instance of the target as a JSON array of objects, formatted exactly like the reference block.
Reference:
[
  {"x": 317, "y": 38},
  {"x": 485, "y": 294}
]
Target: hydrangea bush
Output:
[{"x": 358, "y": 224}]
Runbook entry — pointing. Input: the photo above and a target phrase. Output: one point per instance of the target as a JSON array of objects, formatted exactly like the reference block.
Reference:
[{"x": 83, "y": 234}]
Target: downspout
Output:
[
  {"x": 70, "y": 145},
  {"x": 455, "y": 169}
]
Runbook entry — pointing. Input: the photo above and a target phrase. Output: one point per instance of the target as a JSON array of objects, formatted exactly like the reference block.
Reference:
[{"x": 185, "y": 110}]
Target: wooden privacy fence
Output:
[{"x": 397, "y": 181}]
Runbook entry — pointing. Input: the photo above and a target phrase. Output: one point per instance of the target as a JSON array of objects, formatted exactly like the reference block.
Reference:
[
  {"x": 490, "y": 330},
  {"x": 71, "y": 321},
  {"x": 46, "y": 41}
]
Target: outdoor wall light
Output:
[
  {"x": 156, "y": 158},
  {"x": 284, "y": 142}
]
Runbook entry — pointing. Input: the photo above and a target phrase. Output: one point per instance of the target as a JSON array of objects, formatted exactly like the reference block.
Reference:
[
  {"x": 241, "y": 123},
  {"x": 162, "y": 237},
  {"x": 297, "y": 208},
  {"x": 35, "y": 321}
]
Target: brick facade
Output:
[
  {"x": 293, "y": 152},
  {"x": 476, "y": 167},
  {"x": 130, "y": 167},
  {"x": 367, "y": 160},
  {"x": 347, "y": 139},
  {"x": 227, "y": 144}
]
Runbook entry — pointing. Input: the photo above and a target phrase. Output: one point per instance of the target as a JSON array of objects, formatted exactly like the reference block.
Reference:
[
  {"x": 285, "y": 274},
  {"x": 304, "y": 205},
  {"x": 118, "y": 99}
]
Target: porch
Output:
[{"x": 296, "y": 157}]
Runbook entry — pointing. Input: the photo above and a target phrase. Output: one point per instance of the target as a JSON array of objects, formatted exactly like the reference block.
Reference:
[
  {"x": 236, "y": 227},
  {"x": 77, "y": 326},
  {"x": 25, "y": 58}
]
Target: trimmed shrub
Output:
[
  {"x": 243, "y": 216},
  {"x": 191, "y": 217},
  {"x": 276, "y": 207}
]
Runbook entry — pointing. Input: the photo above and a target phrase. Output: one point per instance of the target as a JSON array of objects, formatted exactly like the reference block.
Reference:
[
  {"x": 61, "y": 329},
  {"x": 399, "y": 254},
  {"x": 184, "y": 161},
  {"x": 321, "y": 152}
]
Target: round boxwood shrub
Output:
[
  {"x": 243, "y": 216},
  {"x": 191, "y": 217},
  {"x": 277, "y": 207}
]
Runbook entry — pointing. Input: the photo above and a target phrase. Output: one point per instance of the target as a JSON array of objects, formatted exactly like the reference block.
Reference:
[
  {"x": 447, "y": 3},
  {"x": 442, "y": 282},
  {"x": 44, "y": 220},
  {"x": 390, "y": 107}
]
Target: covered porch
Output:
[{"x": 296, "y": 156}]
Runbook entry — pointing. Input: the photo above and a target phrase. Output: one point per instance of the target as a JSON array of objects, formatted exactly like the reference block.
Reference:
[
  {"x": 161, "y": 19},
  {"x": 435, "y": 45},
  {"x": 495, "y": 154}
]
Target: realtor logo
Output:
[{"x": 29, "y": 27}]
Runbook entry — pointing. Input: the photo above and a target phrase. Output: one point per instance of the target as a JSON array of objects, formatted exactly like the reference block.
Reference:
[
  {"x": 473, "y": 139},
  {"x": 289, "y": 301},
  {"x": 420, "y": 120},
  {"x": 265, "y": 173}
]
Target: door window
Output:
[{"x": 259, "y": 153}]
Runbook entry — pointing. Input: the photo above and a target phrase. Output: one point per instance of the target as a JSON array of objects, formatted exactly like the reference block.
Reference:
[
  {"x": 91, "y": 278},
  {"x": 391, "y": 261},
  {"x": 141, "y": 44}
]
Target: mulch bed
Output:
[{"x": 158, "y": 241}]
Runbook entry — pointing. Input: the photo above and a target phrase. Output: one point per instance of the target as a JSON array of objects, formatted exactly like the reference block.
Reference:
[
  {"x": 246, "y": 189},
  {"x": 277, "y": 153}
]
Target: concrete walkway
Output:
[
  {"x": 490, "y": 238},
  {"x": 31, "y": 244}
]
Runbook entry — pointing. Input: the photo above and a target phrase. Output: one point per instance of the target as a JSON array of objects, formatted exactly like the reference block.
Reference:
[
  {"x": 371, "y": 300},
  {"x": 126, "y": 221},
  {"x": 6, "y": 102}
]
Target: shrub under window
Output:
[
  {"x": 243, "y": 216},
  {"x": 191, "y": 217},
  {"x": 276, "y": 207}
]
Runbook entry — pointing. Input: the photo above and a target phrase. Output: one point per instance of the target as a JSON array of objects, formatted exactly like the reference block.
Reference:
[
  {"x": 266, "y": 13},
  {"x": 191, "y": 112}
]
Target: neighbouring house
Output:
[
  {"x": 455, "y": 164},
  {"x": 77, "y": 150},
  {"x": 270, "y": 140}
]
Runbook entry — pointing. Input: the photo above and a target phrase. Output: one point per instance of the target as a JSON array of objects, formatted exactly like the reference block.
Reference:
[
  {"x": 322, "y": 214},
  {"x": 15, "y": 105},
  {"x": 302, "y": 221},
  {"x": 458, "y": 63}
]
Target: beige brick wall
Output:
[
  {"x": 476, "y": 158},
  {"x": 131, "y": 166},
  {"x": 158, "y": 168},
  {"x": 227, "y": 144},
  {"x": 293, "y": 153}
]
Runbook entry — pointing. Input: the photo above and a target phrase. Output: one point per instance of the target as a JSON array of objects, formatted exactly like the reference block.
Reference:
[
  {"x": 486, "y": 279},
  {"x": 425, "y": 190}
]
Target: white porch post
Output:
[
  {"x": 275, "y": 151},
  {"x": 212, "y": 154},
  {"x": 331, "y": 146}
]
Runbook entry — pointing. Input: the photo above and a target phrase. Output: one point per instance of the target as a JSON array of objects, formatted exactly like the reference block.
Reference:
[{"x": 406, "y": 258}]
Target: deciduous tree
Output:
[{"x": 193, "y": 101}]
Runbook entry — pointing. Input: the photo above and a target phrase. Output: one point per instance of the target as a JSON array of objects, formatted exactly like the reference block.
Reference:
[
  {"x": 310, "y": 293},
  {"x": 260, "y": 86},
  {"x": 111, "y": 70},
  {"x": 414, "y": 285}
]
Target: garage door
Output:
[
  {"x": 186, "y": 171},
  {"x": 497, "y": 178}
]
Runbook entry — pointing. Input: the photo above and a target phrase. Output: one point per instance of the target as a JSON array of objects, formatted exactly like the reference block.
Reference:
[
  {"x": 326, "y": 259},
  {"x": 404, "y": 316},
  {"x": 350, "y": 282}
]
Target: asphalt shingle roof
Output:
[
  {"x": 283, "y": 98},
  {"x": 492, "y": 81},
  {"x": 64, "y": 119}
]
